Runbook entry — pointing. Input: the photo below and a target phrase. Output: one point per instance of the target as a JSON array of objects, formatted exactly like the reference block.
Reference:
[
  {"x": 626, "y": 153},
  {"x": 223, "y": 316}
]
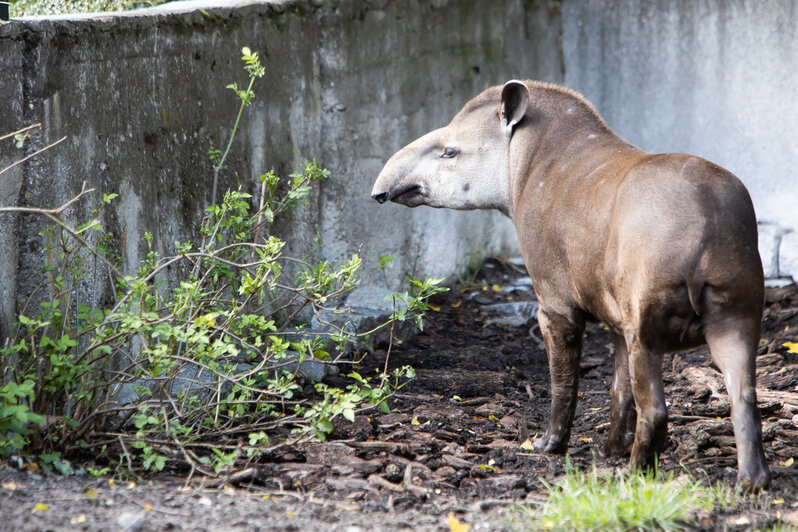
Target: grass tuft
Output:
[{"x": 595, "y": 500}]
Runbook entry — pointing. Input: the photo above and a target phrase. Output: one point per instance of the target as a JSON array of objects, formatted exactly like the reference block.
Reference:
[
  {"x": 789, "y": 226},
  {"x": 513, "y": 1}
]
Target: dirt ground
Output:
[{"x": 454, "y": 440}]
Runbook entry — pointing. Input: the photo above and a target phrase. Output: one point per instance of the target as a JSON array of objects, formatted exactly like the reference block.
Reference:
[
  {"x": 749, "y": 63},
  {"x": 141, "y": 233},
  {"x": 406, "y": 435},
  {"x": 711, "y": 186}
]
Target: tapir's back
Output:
[
  {"x": 681, "y": 244},
  {"x": 624, "y": 230},
  {"x": 679, "y": 211}
]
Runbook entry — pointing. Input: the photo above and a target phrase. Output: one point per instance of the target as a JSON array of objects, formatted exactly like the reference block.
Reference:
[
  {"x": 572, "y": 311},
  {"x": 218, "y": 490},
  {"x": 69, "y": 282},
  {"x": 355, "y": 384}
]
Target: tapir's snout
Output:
[
  {"x": 406, "y": 177},
  {"x": 385, "y": 183},
  {"x": 460, "y": 166},
  {"x": 395, "y": 183}
]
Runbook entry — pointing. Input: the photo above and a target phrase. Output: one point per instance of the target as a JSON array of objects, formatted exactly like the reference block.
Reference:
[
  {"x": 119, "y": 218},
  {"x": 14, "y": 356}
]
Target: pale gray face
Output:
[{"x": 461, "y": 166}]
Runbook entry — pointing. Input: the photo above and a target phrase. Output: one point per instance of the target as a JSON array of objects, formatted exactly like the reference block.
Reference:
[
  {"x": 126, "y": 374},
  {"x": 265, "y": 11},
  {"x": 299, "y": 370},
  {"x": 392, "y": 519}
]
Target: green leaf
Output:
[
  {"x": 324, "y": 425},
  {"x": 383, "y": 261}
]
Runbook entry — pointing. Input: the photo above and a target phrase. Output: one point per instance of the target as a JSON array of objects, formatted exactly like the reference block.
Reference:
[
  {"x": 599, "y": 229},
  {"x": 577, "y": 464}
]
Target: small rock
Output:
[
  {"x": 522, "y": 281},
  {"x": 513, "y": 314},
  {"x": 130, "y": 521},
  {"x": 328, "y": 454},
  {"x": 445, "y": 472},
  {"x": 490, "y": 409},
  {"x": 509, "y": 422},
  {"x": 479, "y": 298},
  {"x": 393, "y": 472},
  {"x": 522, "y": 284},
  {"x": 509, "y": 321}
]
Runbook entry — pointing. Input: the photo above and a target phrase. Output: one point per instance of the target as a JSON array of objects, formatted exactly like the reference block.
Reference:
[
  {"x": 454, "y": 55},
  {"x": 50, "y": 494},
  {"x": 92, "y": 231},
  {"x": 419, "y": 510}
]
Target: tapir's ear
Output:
[{"x": 515, "y": 97}]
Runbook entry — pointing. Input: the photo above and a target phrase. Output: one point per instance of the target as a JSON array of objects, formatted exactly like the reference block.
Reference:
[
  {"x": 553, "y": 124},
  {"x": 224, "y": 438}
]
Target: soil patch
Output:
[{"x": 454, "y": 441}]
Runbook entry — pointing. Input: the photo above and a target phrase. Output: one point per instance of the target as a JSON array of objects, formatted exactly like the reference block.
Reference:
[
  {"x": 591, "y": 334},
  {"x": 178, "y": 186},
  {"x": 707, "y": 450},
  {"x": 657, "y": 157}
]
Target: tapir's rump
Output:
[{"x": 660, "y": 247}]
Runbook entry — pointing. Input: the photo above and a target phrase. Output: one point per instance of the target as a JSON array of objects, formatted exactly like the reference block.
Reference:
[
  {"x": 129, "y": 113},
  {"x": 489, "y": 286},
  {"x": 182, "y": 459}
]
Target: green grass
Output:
[
  {"x": 637, "y": 501},
  {"x": 27, "y": 8}
]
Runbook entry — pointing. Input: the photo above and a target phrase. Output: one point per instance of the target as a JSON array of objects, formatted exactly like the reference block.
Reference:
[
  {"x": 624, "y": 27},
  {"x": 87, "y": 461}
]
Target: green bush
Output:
[{"x": 209, "y": 364}]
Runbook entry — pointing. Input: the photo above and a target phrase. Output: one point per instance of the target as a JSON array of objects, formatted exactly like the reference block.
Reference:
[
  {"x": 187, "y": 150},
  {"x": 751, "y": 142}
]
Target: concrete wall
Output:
[
  {"x": 141, "y": 97},
  {"x": 716, "y": 79}
]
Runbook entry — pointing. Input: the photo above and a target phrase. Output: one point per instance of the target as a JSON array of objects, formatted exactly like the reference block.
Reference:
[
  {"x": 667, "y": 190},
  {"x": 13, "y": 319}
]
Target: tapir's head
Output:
[{"x": 464, "y": 165}]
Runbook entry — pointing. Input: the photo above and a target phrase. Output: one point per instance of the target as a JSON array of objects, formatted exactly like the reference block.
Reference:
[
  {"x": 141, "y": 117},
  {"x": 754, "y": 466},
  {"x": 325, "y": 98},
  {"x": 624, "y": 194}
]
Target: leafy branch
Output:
[
  {"x": 255, "y": 70},
  {"x": 183, "y": 372}
]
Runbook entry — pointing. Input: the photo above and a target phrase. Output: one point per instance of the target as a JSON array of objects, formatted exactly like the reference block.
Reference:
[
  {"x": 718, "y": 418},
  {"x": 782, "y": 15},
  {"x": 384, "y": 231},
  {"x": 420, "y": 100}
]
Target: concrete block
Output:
[
  {"x": 316, "y": 370},
  {"x": 788, "y": 256},
  {"x": 513, "y": 314},
  {"x": 365, "y": 308},
  {"x": 769, "y": 239}
]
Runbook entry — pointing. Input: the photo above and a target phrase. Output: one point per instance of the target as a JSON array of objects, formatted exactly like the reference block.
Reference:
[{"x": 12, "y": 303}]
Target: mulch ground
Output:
[{"x": 456, "y": 439}]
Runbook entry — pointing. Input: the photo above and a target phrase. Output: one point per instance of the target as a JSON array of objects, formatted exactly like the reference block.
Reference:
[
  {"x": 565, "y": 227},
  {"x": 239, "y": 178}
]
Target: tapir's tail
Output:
[{"x": 695, "y": 285}]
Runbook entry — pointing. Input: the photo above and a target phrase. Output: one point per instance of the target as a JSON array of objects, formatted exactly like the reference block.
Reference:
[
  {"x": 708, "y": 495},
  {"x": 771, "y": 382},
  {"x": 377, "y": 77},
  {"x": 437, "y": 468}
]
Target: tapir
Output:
[{"x": 662, "y": 248}]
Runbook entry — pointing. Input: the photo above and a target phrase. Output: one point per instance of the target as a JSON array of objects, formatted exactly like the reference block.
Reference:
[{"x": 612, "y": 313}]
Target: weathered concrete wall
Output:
[
  {"x": 142, "y": 96},
  {"x": 12, "y": 104},
  {"x": 716, "y": 79}
]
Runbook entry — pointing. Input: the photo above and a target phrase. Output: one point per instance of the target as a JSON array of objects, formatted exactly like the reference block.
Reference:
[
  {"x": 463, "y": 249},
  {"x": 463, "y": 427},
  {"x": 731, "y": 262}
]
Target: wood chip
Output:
[
  {"x": 376, "y": 481},
  {"x": 347, "y": 484},
  {"x": 456, "y": 462},
  {"x": 408, "y": 483},
  {"x": 788, "y": 400},
  {"x": 706, "y": 376}
]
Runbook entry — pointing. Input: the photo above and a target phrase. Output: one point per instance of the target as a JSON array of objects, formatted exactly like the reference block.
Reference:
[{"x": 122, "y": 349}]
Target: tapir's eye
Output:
[{"x": 448, "y": 153}]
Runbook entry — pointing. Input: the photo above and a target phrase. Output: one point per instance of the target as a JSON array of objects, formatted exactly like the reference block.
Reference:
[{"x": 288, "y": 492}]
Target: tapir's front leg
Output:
[{"x": 563, "y": 338}]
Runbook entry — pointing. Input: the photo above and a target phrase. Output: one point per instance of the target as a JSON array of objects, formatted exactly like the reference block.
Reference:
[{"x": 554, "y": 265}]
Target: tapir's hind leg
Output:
[
  {"x": 622, "y": 411},
  {"x": 645, "y": 371},
  {"x": 733, "y": 344}
]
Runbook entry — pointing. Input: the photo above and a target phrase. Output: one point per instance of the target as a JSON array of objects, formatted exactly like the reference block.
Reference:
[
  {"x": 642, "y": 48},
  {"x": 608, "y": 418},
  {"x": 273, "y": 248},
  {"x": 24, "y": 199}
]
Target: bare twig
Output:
[
  {"x": 23, "y": 130},
  {"x": 150, "y": 508},
  {"x": 34, "y": 154},
  {"x": 260, "y": 215},
  {"x": 124, "y": 452},
  {"x": 390, "y": 340},
  {"x": 55, "y": 216}
]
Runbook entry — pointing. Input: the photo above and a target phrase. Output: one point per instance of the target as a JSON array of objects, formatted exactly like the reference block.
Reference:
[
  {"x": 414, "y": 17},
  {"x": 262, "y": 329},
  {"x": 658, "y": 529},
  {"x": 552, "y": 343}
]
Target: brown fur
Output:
[{"x": 662, "y": 248}]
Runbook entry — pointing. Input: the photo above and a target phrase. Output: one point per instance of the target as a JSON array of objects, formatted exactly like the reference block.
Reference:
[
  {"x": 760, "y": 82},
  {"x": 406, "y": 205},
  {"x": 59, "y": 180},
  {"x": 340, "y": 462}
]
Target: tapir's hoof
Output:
[
  {"x": 618, "y": 446},
  {"x": 547, "y": 444},
  {"x": 754, "y": 483},
  {"x": 613, "y": 451}
]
